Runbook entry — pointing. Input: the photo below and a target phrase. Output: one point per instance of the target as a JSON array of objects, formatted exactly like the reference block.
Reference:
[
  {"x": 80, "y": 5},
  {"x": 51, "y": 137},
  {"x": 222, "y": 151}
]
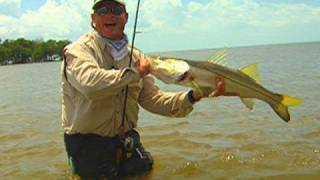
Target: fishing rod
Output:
[{"x": 121, "y": 131}]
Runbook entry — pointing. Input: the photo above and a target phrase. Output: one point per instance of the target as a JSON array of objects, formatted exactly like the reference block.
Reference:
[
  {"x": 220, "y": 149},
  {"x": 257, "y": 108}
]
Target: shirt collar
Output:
[{"x": 119, "y": 48}]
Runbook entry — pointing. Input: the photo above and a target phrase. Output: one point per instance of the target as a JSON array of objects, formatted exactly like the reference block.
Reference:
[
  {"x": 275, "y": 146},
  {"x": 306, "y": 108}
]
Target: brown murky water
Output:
[{"x": 220, "y": 139}]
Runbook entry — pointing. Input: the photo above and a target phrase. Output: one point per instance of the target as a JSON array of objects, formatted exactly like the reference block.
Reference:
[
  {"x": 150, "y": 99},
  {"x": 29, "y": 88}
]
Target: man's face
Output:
[{"x": 108, "y": 24}]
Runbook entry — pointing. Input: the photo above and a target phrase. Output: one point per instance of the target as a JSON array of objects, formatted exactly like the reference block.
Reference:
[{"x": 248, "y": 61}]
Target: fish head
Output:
[{"x": 170, "y": 70}]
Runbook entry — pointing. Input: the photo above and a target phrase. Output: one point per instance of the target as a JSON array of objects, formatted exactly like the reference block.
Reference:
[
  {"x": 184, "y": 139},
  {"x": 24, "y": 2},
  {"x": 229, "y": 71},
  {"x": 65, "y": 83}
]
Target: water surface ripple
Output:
[{"x": 220, "y": 139}]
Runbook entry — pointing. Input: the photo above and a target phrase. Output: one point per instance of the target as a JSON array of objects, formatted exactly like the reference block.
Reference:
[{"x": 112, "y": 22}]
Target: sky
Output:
[{"x": 169, "y": 25}]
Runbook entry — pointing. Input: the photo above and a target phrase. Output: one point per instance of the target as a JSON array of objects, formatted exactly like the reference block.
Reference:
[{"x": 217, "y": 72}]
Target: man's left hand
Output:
[{"x": 142, "y": 63}]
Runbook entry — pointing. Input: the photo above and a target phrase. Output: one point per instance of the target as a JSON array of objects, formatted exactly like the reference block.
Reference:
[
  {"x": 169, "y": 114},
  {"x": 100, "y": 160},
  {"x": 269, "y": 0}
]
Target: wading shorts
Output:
[{"x": 95, "y": 157}]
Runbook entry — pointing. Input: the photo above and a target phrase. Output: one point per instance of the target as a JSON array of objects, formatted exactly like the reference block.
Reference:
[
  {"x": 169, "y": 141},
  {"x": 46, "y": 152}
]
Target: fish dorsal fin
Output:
[
  {"x": 249, "y": 103},
  {"x": 219, "y": 57},
  {"x": 252, "y": 71}
]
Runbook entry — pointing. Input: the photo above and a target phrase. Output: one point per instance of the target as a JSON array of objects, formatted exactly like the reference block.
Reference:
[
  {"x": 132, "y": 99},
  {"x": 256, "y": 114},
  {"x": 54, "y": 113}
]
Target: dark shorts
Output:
[{"x": 92, "y": 156}]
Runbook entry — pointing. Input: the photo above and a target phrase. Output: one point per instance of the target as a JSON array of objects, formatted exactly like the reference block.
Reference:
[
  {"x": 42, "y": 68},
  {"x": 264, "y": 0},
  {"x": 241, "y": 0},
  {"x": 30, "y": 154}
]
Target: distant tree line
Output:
[{"x": 21, "y": 51}]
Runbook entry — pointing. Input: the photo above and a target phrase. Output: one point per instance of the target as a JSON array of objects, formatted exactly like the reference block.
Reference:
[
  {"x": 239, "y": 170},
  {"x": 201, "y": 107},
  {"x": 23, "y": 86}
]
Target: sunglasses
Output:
[{"x": 115, "y": 10}]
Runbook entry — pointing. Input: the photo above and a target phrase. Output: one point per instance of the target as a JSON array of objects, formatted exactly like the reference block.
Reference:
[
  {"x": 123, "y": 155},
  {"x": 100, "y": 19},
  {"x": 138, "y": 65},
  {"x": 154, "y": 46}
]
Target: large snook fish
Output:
[{"x": 244, "y": 82}]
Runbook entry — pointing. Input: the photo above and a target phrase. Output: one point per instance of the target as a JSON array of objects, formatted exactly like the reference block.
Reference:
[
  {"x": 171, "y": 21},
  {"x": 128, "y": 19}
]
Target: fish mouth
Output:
[{"x": 183, "y": 76}]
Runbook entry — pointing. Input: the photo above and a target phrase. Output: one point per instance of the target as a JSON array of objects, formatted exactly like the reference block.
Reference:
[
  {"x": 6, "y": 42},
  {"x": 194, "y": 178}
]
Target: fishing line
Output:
[{"x": 130, "y": 62}]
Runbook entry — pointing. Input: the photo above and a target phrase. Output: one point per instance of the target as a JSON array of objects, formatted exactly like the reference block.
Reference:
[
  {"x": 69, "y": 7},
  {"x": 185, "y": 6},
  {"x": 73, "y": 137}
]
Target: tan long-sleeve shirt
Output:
[{"x": 93, "y": 93}]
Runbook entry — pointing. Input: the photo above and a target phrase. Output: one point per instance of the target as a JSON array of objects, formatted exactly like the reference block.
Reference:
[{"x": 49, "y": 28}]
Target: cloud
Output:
[
  {"x": 218, "y": 23},
  {"x": 64, "y": 20},
  {"x": 174, "y": 24},
  {"x": 10, "y": 8}
]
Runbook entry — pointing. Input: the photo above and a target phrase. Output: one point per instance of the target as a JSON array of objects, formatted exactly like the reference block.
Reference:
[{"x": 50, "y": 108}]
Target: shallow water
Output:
[{"x": 220, "y": 139}]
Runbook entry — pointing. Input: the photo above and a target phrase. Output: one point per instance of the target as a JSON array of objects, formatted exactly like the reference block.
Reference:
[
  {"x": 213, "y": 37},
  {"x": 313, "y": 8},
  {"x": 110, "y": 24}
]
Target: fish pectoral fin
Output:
[
  {"x": 196, "y": 86},
  {"x": 249, "y": 103},
  {"x": 252, "y": 71}
]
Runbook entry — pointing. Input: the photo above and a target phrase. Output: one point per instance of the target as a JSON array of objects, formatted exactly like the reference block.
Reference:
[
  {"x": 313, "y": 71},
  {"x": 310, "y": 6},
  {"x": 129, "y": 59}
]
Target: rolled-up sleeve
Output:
[
  {"x": 164, "y": 103},
  {"x": 91, "y": 80}
]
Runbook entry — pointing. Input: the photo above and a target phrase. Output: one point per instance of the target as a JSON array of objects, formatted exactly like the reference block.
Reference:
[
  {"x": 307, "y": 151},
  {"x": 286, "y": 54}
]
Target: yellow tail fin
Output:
[
  {"x": 291, "y": 101},
  {"x": 282, "y": 108}
]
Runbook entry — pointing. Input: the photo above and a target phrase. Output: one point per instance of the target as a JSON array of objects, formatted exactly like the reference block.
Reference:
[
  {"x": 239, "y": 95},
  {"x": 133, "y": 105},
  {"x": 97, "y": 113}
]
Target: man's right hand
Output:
[{"x": 198, "y": 94}]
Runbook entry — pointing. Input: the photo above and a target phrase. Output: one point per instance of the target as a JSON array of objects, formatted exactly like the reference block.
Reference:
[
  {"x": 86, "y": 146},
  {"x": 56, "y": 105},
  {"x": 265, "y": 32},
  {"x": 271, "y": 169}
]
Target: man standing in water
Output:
[{"x": 94, "y": 75}]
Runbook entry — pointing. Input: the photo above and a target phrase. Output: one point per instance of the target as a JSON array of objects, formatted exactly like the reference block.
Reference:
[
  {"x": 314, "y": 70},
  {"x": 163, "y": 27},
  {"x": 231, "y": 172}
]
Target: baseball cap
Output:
[{"x": 95, "y": 2}]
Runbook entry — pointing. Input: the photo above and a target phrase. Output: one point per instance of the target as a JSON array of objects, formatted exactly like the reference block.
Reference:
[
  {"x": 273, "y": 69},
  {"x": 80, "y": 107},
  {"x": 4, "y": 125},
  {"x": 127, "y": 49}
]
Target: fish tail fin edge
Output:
[
  {"x": 282, "y": 108},
  {"x": 282, "y": 111}
]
